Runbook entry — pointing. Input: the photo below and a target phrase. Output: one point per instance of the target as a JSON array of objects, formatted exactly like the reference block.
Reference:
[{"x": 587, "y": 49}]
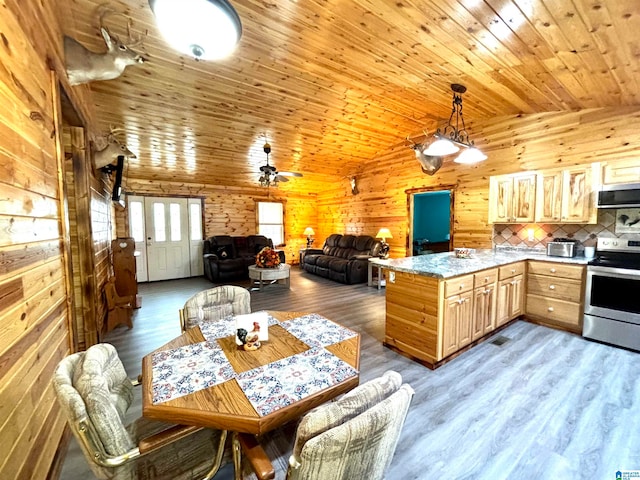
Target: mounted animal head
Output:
[
  {"x": 85, "y": 66},
  {"x": 108, "y": 154},
  {"x": 429, "y": 164},
  {"x": 354, "y": 185}
]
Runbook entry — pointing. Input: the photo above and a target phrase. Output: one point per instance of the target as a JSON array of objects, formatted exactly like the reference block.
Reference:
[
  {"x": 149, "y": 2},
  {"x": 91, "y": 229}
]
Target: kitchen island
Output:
[{"x": 437, "y": 306}]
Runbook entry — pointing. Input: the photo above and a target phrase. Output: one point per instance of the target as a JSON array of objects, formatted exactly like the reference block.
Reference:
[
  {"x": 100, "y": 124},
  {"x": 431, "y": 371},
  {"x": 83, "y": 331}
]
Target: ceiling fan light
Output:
[
  {"x": 440, "y": 148},
  {"x": 470, "y": 155},
  {"x": 204, "y": 29}
]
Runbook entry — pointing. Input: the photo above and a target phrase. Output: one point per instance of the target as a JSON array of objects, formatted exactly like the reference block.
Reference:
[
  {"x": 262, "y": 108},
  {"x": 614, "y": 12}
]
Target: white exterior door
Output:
[
  {"x": 137, "y": 231},
  {"x": 167, "y": 240}
]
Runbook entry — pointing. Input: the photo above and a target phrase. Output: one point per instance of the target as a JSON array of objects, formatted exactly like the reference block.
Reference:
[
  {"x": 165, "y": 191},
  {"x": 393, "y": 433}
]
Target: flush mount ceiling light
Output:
[
  {"x": 205, "y": 29},
  {"x": 454, "y": 135}
]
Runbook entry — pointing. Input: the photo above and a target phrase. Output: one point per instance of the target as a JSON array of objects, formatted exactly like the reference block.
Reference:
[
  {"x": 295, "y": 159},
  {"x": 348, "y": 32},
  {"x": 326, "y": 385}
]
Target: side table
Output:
[{"x": 380, "y": 264}]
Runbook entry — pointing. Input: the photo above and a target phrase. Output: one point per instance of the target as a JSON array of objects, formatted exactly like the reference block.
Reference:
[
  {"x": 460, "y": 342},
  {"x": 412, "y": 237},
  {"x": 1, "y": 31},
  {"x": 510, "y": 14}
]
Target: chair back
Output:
[
  {"x": 94, "y": 392},
  {"x": 354, "y": 437},
  {"x": 215, "y": 304}
]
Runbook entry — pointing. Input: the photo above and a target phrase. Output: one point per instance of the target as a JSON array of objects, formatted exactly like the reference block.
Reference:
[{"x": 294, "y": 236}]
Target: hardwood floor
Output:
[{"x": 545, "y": 404}]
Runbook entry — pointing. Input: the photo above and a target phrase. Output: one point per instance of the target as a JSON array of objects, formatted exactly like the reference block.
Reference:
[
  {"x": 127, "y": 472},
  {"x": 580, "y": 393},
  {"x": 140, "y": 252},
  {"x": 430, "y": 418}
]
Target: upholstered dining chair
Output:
[
  {"x": 353, "y": 437},
  {"x": 94, "y": 391},
  {"x": 214, "y": 304}
]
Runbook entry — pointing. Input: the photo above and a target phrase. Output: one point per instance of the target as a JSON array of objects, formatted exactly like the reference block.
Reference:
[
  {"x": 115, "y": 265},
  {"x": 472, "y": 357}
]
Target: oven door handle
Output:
[{"x": 614, "y": 272}]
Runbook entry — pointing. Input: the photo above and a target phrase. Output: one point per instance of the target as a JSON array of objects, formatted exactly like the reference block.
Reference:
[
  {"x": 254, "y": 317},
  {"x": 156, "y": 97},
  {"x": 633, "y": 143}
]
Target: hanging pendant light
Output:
[
  {"x": 204, "y": 29},
  {"x": 454, "y": 137}
]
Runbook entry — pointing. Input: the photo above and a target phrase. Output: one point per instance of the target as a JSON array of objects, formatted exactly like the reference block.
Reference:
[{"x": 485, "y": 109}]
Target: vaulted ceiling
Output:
[{"x": 333, "y": 83}]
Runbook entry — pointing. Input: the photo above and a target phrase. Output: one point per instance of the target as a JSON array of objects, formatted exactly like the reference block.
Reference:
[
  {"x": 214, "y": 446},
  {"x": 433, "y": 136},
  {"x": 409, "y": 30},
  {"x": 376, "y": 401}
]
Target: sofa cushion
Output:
[
  {"x": 324, "y": 260},
  {"x": 339, "y": 265}
]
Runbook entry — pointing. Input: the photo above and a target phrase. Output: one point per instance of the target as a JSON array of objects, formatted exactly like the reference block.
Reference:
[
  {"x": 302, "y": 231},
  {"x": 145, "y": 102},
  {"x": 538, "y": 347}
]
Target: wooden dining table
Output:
[{"x": 203, "y": 378}]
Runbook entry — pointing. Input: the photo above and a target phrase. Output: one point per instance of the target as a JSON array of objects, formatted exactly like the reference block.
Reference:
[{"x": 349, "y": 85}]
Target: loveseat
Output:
[
  {"x": 229, "y": 258},
  {"x": 343, "y": 258}
]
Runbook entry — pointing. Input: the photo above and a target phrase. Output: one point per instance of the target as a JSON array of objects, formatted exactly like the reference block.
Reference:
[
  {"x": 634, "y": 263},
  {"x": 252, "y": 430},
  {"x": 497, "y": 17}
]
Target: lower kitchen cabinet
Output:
[
  {"x": 555, "y": 294},
  {"x": 456, "y": 328},
  {"x": 510, "y": 292},
  {"x": 431, "y": 319}
]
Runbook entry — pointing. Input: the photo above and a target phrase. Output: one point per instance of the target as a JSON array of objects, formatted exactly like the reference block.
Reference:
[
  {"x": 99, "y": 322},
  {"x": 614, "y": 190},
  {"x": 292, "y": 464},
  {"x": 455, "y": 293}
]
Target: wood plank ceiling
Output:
[{"x": 334, "y": 83}]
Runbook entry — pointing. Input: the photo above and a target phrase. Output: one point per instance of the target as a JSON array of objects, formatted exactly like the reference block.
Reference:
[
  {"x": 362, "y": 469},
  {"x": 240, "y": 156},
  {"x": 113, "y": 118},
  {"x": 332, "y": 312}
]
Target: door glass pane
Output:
[
  {"x": 136, "y": 221},
  {"x": 174, "y": 214},
  {"x": 195, "y": 221},
  {"x": 158, "y": 222}
]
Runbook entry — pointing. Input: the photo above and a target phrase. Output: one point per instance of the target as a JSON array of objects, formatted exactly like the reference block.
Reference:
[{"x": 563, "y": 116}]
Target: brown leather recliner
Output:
[{"x": 343, "y": 258}]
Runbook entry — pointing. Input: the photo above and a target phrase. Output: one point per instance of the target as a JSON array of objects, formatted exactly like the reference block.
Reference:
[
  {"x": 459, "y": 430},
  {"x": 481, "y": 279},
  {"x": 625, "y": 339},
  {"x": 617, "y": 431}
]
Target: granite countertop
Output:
[{"x": 446, "y": 265}]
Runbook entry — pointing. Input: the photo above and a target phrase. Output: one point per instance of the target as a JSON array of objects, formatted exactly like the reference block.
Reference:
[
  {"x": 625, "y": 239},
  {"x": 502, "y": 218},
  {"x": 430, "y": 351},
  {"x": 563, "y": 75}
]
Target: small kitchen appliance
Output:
[{"x": 562, "y": 247}]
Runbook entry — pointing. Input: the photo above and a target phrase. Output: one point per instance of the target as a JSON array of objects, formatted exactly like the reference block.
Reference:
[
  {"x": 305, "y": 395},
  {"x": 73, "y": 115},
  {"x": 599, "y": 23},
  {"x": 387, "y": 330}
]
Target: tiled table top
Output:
[{"x": 188, "y": 369}]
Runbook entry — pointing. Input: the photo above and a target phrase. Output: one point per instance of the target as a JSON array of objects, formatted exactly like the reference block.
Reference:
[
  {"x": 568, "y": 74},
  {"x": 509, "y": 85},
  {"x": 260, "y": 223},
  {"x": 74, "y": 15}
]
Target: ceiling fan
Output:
[{"x": 270, "y": 175}]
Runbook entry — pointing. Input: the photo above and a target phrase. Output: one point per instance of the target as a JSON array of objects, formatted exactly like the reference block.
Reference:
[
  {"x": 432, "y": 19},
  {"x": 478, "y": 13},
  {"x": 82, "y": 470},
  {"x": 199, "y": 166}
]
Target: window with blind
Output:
[{"x": 271, "y": 221}]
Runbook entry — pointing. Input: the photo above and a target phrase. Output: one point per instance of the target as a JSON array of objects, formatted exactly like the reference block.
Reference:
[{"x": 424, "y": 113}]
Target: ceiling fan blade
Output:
[
  {"x": 290, "y": 174},
  {"x": 280, "y": 178}
]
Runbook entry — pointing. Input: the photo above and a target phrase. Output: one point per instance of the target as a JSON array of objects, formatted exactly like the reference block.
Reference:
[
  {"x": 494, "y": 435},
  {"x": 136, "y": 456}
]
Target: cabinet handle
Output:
[
  {"x": 552, "y": 287},
  {"x": 513, "y": 282},
  {"x": 513, "y": 270},
  {"x": 486, "y": 279},
  {"x": 461, "y": 286},
  {"x": 553, "y": 270},
  {"x": 550, "y": 309}
]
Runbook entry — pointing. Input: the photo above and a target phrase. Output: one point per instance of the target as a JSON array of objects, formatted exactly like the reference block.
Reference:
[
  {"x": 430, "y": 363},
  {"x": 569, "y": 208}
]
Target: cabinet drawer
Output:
[
  {"x": 553, "y": 309},
  {"x": 510, "y": 270},
  {"x": 575, "y": 272},
  {"x": 486, "y": 277},
  {"x": 562, "y": 288},
  {"x": 458, "y": 285}
]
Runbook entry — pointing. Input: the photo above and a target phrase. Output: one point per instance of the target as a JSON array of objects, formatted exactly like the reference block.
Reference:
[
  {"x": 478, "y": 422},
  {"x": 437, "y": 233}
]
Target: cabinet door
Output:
[
  {"x": 516, "y": 296},
  {"x": 577, "y": 198},
  {"x": 622, "y": 171},
  {"x": 549, "y": 197},
  {"x": 465, "y": 319},
  {"x": 500, "y": 199},
  {"x": 484, "y": 311},
  {"x": 503, "y": 304},
  {"x": 450, "y": 326},
  {"x": 524, "y": 195}
]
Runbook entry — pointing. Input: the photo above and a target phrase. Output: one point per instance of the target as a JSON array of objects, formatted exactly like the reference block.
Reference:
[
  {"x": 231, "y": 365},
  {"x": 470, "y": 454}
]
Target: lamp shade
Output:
[
  {"x": 309, "y": 231},
  {"x": 440, "y": 148},
  {"x": 205, "y": 29},
  {"x": 470, "y": 155},
  {"x": 384, "y": 233}
]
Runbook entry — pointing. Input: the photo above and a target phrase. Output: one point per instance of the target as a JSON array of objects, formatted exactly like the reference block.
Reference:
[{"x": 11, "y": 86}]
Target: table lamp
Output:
[
  {"x": 383, "y": 234},
  {"x": 309, "y": 233}
]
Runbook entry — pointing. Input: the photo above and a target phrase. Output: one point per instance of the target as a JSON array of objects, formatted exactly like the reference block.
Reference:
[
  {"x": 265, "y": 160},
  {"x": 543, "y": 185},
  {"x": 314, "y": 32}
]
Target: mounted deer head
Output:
[
  {"x": 85, "y": 66},
  {"x": 429, "y": 164},
  {"x": 108, "y": 154}
]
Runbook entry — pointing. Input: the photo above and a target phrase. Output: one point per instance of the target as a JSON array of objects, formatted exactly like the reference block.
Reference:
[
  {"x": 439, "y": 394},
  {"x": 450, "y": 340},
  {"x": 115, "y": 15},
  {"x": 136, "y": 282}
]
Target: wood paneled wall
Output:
[
  {"x": 36, "y": 329},
  {"x": 232, "y": 211},
  {"x": 513, "y": 144}
]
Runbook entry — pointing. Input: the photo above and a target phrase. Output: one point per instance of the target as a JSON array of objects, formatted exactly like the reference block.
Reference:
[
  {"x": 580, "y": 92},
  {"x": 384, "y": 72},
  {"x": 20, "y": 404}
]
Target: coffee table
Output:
[
  {"x": 271, "y": 275},
  {"x": 201, "y": 378}
]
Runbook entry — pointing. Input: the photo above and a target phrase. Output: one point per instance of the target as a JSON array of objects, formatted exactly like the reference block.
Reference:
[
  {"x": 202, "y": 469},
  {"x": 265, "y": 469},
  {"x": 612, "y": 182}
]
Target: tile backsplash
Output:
[{"x": 517, "y": 235}]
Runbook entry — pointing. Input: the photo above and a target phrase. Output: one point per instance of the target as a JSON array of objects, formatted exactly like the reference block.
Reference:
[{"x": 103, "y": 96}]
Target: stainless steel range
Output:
[{"x": 612, "y": 298}]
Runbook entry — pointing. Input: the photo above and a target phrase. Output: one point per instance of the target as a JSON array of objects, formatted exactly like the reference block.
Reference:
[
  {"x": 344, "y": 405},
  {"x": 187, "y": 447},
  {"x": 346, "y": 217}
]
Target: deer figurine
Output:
[
  {"x": 84, "y": 66},
  {"x": 108, "y": 154}
]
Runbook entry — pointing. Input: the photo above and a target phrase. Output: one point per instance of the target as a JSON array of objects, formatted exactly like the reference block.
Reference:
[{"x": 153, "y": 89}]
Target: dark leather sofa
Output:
[
  {"x": 228, "y": 258},
  {"x": 343, "y": 258}
]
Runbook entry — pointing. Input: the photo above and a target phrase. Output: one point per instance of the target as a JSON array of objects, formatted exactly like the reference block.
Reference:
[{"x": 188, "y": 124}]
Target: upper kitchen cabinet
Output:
[
  {"x": 549, "y": 197},
  {"x": 568, "y": 195},
  {"x": 623, "y": 171},
  {"x": 512, "y": 198}
]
